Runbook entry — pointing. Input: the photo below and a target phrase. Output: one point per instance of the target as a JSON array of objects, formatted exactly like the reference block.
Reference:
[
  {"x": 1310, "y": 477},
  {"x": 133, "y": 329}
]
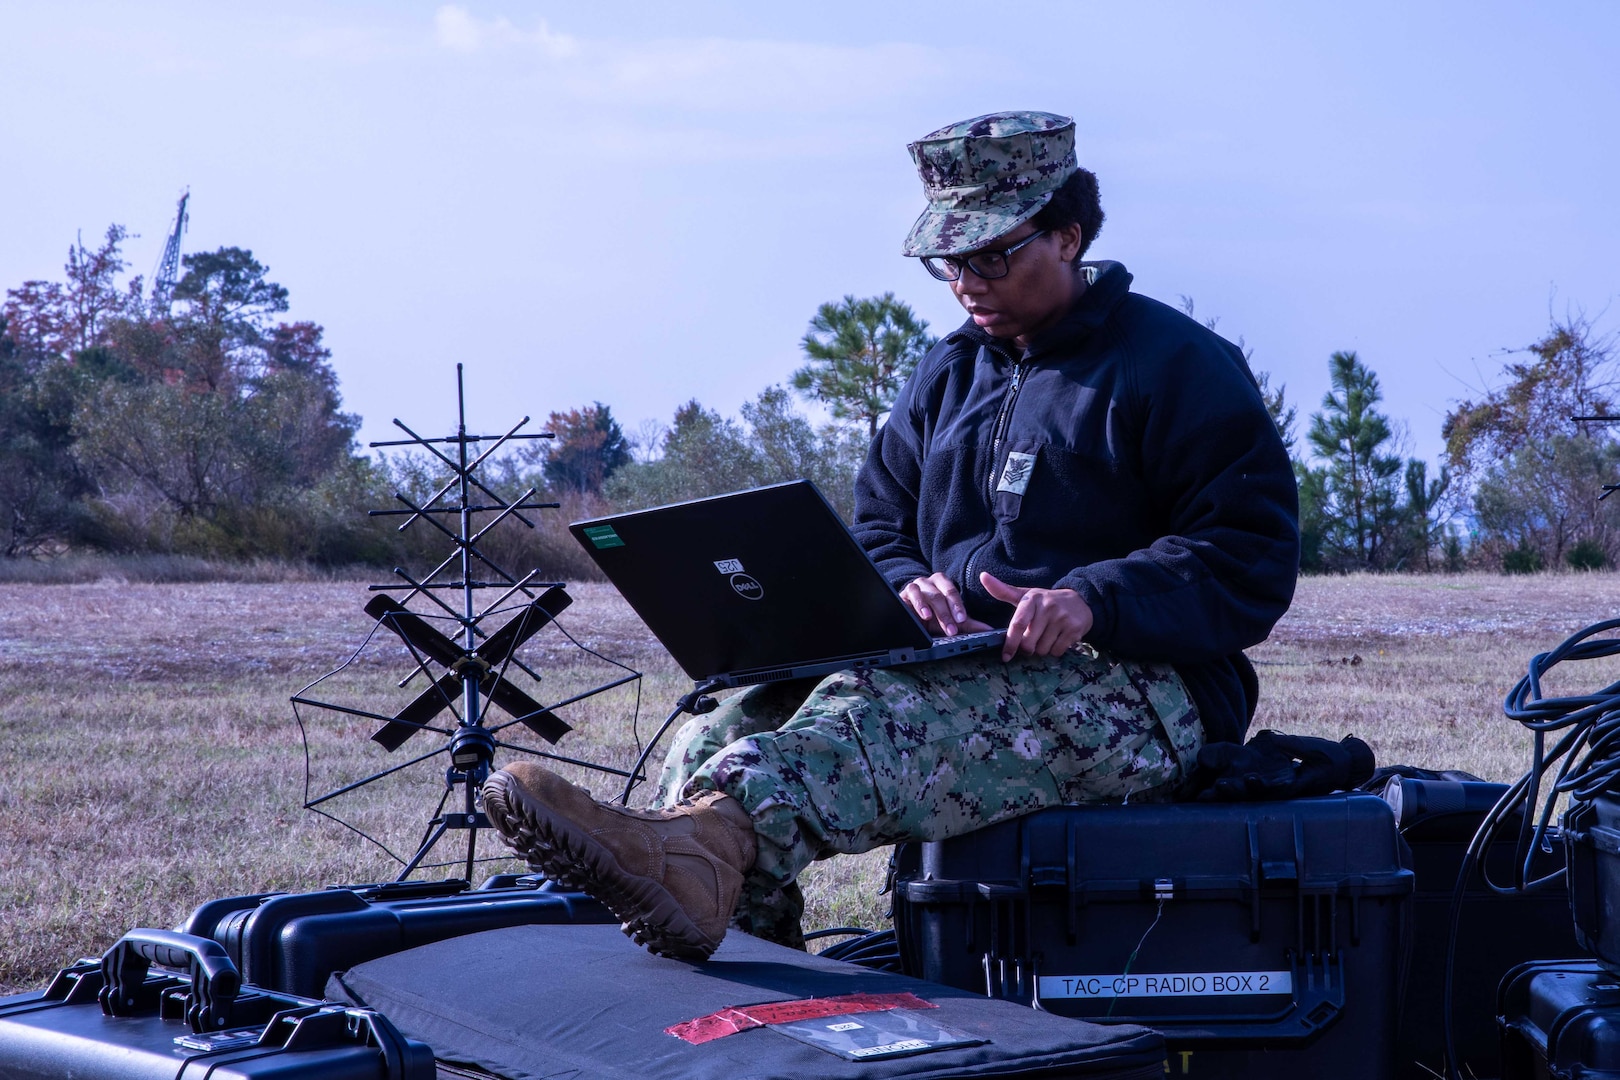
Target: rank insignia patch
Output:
[{"x": 1016, "y": 473}]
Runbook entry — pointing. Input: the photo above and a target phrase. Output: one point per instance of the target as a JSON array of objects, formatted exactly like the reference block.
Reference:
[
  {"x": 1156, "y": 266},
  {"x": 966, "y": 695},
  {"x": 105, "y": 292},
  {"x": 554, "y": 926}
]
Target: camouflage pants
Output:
[{"x": 927, "y": 752}]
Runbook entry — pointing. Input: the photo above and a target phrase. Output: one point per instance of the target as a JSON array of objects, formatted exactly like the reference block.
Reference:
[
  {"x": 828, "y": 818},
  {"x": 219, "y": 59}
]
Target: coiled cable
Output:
[
  {"x": 1583, "y": 761},
  {"x": 876, "y": 949}
]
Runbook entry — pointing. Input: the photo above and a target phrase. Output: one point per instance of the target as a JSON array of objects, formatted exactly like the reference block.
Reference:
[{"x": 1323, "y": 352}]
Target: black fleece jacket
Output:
[{"x": 1126, "y": 455}]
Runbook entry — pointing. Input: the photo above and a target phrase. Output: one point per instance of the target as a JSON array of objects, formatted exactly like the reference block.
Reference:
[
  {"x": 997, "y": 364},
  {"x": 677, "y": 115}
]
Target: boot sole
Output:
[{"x": 574, "y": 859}]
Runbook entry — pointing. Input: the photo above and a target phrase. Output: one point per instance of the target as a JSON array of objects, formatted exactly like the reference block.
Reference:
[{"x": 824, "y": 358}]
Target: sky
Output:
[{"x": 644, "y": 203}]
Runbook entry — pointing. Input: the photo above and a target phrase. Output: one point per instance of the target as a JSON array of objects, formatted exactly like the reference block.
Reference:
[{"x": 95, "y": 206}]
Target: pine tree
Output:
[
  {"x": 1426, "y": 525},
  {"x": 861, "y": 351},
  {"x": 1361, "y": 511}
]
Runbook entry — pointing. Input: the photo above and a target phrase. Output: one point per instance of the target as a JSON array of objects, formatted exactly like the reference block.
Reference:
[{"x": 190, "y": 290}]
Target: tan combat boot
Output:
[{"x": 673, "y": 876}]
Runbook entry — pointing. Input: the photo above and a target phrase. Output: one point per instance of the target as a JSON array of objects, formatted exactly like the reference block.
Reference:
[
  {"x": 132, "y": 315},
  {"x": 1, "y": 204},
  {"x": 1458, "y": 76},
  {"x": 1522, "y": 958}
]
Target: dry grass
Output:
[
  {"x": 153, "y": 761},
  {"x": 90, "y": 568},
  {"x": 1437, "y": 656}
]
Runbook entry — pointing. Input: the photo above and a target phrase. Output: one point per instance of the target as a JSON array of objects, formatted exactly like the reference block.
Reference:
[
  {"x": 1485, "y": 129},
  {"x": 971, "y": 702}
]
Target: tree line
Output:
[
  {"x": 1521, "y": 485},
  {"x": 206, "y": 424},
  {"x": 200, "y": 423}
]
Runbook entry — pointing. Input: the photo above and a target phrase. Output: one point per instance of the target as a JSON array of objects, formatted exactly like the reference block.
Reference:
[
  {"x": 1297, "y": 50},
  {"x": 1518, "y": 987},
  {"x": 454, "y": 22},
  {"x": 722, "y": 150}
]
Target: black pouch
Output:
[{"x": 1276, "y": 766}]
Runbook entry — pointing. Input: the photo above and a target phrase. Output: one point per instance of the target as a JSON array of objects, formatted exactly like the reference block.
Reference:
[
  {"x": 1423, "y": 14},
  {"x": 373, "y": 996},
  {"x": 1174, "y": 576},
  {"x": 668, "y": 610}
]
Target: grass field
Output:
[{"x": 152, "y": 759}]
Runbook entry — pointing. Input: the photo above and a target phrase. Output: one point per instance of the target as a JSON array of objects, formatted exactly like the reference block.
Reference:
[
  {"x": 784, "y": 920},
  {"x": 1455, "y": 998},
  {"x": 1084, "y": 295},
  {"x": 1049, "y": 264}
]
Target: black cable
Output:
[
  {"x": 847, "y": 931},
  {"x": 876, "y": 949},
  {"x": 1584, "y": 761}
]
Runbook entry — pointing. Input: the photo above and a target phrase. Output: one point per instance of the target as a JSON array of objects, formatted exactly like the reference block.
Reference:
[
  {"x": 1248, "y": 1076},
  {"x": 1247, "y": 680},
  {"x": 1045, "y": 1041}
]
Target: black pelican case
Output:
[
  {"x": 1560, "y": 1020},
  {"x": 292, "y": 942},
  {"x": 1592, "y": 844},
  {"x": 1496, "y": 932},
  {"x": 171, "y": 1006},
  {"x": 1263, "y": 939}
]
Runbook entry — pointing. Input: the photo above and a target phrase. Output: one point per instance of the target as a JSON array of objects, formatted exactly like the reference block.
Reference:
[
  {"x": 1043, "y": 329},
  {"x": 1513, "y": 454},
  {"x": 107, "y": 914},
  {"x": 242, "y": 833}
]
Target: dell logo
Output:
[{"x": 747, "y": 587}]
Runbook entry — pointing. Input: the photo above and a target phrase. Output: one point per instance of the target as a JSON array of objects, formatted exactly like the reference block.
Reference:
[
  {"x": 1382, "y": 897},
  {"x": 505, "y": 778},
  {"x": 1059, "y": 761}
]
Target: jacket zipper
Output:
[{"x": 997, "y": 433}]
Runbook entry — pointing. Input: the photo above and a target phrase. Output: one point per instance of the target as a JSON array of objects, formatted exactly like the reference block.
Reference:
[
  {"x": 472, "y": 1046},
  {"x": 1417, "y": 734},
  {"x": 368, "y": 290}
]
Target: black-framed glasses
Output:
[{"x": 987, "y": 264}]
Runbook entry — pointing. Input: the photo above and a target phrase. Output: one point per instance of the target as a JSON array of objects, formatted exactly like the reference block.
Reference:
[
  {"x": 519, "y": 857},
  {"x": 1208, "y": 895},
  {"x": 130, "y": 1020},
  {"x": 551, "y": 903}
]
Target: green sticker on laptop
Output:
[{"x": 603, "y": 536}]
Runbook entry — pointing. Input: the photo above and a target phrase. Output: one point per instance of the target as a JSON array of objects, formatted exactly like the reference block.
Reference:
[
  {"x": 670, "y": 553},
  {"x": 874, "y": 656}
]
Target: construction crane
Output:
[{"x": 168, "y": 271}]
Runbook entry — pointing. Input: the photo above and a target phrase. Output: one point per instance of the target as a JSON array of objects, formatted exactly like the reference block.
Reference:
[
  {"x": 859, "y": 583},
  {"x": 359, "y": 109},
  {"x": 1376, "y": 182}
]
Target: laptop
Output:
[{"x": 762, "y": 585}]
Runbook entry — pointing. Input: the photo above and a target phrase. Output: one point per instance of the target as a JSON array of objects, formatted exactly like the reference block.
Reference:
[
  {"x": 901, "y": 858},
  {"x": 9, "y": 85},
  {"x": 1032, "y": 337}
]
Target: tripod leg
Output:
[
  {"x": 473, "y": 817},
  {"x": 421, "y": 852}
]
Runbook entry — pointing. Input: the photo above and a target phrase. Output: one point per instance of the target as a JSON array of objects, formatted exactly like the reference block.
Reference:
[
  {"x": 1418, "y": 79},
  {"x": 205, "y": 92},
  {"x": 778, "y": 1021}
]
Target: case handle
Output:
[
  {"x": 214, "y": 979},
  {"x": 327, "y": 1025}
]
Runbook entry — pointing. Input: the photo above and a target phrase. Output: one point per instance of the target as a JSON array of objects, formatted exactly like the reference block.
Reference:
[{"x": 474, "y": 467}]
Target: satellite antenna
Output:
[{"x": 476, "y": 661}]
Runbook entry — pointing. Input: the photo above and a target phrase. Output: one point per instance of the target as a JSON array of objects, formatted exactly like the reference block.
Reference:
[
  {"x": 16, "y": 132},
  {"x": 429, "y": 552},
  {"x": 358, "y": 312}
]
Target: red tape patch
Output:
[{"x": 730, "y": 1021}]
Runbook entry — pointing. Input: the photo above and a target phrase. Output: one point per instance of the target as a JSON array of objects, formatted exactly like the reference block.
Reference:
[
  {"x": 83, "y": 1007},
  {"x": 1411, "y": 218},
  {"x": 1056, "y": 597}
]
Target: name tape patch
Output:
[{"x": 1168, "y": 984}]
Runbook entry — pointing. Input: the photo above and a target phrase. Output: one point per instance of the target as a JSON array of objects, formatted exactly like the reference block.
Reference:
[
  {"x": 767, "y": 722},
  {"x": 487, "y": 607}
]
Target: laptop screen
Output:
[{"x": 752, "y": 580}]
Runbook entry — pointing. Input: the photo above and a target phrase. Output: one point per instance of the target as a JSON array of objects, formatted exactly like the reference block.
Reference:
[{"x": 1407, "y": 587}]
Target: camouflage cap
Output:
[{"x": 986, "y": 176}]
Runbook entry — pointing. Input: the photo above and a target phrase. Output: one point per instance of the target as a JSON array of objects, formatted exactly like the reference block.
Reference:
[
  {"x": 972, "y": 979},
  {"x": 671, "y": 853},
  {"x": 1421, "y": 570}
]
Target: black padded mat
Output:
[{"x": 554, "y": 1002}]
